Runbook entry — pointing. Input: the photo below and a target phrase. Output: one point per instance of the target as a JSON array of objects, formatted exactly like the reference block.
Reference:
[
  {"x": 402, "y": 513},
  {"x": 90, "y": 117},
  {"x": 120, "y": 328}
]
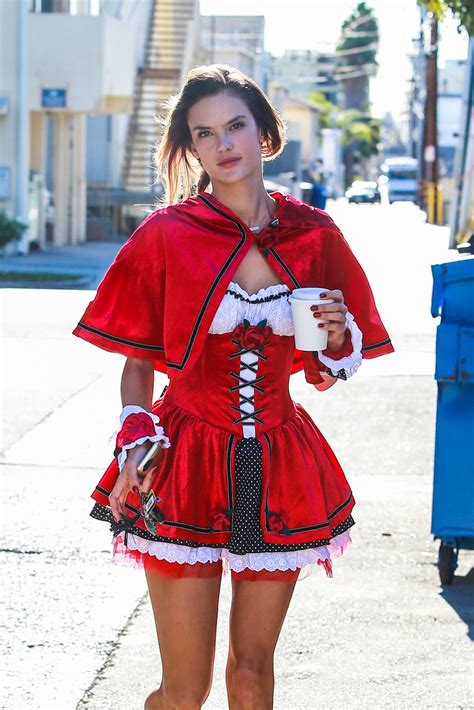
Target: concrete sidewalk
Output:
[
  {"x": 89, "y": 261},
  {"x": 382, "y": 632}
]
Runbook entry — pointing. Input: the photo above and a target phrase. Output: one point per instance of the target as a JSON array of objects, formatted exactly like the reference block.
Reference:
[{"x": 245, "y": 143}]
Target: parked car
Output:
[{"x": 363, "y": 191}]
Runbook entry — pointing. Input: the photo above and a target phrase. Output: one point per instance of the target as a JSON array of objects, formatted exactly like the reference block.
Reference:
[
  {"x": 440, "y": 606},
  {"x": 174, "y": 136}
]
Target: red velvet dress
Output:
[{"x": 227, "y": 435}]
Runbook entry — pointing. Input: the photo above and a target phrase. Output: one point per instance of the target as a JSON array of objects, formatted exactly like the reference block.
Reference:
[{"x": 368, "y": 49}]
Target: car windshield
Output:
[
  {"x": 362, "y": 190},
  {"x": 400, "y": 174}
]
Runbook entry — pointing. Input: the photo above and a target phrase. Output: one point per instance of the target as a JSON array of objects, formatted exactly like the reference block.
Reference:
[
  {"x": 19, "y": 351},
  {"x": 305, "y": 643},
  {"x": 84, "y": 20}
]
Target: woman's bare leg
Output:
[
  {"x": 256, "y": 618},
  {"x": 185, "y": 612}
]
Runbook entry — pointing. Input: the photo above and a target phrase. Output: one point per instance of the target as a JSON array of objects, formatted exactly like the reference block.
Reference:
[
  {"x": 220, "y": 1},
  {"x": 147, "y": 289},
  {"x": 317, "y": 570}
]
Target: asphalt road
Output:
[{"x": 77, "y": 630}]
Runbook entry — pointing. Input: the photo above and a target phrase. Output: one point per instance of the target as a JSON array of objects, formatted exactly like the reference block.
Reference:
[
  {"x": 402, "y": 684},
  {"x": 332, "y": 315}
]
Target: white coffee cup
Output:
[{"x": 307, "y": 334}]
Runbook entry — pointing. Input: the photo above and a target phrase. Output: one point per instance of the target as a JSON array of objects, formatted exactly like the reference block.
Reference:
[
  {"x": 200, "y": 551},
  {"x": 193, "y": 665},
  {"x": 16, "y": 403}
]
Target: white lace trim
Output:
[
  {"x": 257, "y": 561},
  {"x": 351, "y": 363},
  {"x": 158, "y": 436},
  {"x": 232, "y": 310}
]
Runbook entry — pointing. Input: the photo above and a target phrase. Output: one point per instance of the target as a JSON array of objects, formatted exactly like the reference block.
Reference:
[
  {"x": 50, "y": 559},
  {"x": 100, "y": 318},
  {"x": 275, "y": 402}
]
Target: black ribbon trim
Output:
[
  {"x": 377, "y": 345},
  {"x": 116, "y": 339}
]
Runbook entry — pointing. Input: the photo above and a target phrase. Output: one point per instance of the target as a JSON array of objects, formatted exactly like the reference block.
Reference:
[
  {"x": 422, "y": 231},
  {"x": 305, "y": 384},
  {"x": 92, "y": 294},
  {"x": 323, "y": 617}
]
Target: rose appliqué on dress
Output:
[
  {"x": 253, "y": 337},
  {"x": 268, "y": 237},
  {"x": 220, "y": 521},
  {"x": 266, "y": 241},
  {"x": 276, "y": 523}
]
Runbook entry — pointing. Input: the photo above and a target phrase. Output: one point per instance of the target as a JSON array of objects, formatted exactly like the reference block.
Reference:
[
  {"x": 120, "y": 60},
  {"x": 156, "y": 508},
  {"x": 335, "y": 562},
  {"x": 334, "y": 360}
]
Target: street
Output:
[{"x": 382, "y": 633}]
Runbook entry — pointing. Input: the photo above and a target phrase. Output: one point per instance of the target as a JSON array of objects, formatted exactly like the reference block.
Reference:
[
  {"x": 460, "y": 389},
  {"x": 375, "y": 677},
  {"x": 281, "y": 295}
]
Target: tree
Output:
[
  {"x": 328, "y": 110},
  {"x": 463, "y": 11},
  {"x": 355, "y": 54},
  {"x": 361, "y": 141},
  {"x": 361, "y": 133}
]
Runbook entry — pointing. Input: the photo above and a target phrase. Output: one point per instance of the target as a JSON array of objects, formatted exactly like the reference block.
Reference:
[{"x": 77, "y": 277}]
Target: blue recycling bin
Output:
[{"x": 452, "y": 519}]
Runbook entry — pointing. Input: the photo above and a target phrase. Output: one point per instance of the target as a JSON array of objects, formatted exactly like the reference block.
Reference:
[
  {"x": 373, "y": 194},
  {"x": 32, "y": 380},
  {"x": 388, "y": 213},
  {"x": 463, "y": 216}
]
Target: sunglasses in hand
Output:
[{"x": 151, "y": 514}]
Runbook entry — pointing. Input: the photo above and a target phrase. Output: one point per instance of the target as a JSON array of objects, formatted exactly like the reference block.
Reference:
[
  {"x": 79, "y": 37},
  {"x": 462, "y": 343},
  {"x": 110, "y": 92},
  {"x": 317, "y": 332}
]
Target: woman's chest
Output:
[{"x": 254, "y": 273}]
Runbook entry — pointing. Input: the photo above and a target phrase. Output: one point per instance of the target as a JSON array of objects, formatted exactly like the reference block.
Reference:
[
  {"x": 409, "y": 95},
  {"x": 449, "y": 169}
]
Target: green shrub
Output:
[{"x": 11, "y": 229}]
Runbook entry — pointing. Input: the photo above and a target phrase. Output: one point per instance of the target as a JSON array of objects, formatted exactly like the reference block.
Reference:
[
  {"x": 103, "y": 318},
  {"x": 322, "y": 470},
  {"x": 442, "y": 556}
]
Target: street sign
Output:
[{"x": 53, "y": 98}]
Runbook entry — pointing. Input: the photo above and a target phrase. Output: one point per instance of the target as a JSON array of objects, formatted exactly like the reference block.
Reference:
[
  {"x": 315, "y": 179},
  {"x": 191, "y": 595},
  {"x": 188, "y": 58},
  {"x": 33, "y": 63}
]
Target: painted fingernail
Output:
[
  {"x": 320, "y": 325},
  {"x": 135, "y": 489},
  {"x": 322, "y": 295},
  {"x": 316, "y": 315}
]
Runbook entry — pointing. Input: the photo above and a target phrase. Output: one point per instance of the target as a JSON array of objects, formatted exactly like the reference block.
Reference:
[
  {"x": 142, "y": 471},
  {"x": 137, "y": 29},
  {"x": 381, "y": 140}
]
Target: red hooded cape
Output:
[
  {"x": 157, "y": 301},
  {"x": 158, "y": 298}
]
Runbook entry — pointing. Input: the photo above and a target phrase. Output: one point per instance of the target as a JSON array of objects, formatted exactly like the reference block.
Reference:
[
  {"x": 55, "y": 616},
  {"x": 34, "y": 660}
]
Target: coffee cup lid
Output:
[{"x": 307, "y": 294}]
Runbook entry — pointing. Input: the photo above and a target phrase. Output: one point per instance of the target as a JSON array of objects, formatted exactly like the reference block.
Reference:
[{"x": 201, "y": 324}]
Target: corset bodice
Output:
[{"x": 235, "y": 386}]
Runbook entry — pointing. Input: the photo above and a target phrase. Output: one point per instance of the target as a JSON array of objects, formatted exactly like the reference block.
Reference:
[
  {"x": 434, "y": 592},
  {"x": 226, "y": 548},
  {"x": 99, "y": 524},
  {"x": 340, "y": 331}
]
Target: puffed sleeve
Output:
[
  {"x": 366, "y": 336},
  {"x": 126, "y": 315}
]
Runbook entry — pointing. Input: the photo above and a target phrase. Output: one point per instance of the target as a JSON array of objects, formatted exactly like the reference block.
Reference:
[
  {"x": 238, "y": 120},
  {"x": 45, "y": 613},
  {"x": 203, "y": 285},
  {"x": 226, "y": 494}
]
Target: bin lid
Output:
[{"x": 446, "y": 274}]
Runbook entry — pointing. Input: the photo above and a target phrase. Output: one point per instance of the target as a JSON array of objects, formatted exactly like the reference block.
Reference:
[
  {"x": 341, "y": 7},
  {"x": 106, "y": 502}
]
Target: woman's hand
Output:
[
  {"x": 335, "y": 314},
  {"x": 129, "y": 479}
]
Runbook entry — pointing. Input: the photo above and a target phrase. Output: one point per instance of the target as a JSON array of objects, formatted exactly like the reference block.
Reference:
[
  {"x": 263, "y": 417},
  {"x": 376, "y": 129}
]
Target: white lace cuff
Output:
[
  {"x": 159, "y": 434},
  {"x": 346, "y": 366}
]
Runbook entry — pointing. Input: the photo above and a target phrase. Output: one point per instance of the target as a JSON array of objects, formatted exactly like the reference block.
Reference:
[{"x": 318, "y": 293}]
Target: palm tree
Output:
[{"x": 355, "y": 53}]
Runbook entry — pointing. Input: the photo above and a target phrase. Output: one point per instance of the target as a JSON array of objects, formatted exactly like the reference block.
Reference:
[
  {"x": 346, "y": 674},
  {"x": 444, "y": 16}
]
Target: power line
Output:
[
  {"x": 350, "y": 67},
  {"x": 352, "y": 75},
  {"x": 351, "y": 35},
  {"x": 359, "y": 21},
  {"x": 356, "y": 50}
]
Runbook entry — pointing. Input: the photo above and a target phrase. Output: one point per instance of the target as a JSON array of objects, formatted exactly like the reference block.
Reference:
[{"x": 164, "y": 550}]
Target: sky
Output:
[{"x": 309, "y": 24}]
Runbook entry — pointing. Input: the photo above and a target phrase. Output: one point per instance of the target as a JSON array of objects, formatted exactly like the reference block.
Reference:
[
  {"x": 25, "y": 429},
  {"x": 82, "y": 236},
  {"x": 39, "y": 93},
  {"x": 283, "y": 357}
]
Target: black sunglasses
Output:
[{"x": 152, "y": 515}]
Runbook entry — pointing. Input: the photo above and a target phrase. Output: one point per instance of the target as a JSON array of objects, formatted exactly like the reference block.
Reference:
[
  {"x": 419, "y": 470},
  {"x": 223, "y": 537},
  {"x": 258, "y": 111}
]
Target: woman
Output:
[{"x": 200, "y": 291}]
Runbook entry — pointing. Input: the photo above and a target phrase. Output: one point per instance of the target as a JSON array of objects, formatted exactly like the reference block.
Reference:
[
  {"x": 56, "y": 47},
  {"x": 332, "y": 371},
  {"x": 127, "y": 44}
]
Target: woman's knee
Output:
[{"x": 250, "y": 679}]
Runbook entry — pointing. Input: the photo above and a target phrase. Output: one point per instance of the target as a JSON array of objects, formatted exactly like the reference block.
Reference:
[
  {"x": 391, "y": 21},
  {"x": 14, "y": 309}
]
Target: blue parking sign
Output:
[{"x": 53, "y": 98}]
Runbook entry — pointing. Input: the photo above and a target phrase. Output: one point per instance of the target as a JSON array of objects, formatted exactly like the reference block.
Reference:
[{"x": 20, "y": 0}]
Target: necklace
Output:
[{"x": 258, "y": 227}]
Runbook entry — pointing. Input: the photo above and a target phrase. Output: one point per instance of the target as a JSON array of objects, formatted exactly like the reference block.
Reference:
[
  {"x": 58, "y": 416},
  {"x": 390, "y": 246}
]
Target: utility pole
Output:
[{"x": 432, "y": 193}]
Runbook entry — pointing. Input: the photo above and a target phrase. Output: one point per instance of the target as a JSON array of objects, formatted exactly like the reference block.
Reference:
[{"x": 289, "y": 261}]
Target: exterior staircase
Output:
[{"x": 170, "y": 53}]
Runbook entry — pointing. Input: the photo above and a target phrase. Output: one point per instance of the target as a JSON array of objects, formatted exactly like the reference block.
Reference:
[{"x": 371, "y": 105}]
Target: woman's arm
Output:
[
  {"x": 335, "y": 315},
  {"x": 136, "y": 388},
  {"x": 137, "y": 383}
]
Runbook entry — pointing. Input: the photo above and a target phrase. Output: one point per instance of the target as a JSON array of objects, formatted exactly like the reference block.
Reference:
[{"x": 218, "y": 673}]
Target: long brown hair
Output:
[{"x": 176, "y": 166}]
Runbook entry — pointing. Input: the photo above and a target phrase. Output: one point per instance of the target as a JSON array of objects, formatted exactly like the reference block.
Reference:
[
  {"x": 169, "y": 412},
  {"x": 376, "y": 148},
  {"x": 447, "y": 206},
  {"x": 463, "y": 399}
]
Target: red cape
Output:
[{"x": 159, "y": 296}]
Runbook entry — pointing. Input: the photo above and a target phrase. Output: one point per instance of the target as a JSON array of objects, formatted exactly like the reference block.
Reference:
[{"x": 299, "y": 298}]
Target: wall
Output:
[
  {"x": 90, "y": 57},
  {"x": 107, "y": 134},
  {"x": 8, "y": 89}
]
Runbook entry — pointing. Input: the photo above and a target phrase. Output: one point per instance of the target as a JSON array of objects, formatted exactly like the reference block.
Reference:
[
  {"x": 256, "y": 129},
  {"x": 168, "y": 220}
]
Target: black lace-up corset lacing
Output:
[{"x": 247, "y": 418}]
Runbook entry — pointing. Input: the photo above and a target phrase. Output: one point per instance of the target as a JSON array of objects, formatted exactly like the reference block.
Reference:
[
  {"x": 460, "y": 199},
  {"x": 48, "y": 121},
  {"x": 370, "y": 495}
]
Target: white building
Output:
[
  {"x": 237, "y": 40},
  {"x": 75, "y": 67},
  {"x": 305, "y": 71},
  {"x": 302, "y": 119}
]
